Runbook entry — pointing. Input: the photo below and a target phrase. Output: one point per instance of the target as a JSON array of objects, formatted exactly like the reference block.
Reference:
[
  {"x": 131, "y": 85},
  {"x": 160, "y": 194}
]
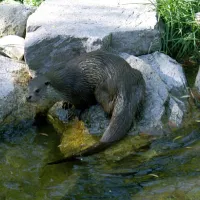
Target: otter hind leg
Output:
[
  {"x": 115, "y": 101},
  {"x": 105, "y": 95},
  {"x": 121, "y": 120}
]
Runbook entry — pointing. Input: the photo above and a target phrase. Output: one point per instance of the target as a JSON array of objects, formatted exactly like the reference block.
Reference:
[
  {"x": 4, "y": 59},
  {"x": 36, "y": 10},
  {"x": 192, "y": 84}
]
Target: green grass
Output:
[
  {"x": 181, "y": 37},
  {"x": 31, "y": 2}
]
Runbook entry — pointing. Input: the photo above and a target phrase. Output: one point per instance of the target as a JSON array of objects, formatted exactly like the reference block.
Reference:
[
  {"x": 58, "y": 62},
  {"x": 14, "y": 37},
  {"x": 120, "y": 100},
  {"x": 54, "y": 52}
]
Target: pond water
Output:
[{"x": 168, "y": 169}]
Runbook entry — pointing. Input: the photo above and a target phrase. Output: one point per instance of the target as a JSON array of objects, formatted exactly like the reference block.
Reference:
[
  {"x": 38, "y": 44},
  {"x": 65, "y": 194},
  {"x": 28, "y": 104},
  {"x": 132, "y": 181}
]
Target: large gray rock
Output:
[
  {"x": 12, "y": 46},
  {"x": 164, "y": 93},
  {"x": 169, "y": 70},
  {"x": 60, "y": 30},
  {"x": 13, "y": 83},
  {"x": 8, "y": 72},
  {"x": 13, "y": 18}
]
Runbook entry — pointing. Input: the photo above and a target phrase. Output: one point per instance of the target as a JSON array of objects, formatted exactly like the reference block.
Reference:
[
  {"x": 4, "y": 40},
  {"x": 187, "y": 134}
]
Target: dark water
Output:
[{"x": 168, "y": 169}]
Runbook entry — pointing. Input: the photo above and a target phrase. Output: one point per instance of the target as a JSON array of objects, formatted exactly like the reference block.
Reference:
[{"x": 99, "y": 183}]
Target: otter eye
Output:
[{"x": 37, "y": 91}]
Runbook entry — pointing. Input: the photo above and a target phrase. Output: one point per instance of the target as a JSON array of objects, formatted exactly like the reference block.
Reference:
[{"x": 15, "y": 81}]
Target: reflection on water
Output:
[{"x": 169, "y": 169}]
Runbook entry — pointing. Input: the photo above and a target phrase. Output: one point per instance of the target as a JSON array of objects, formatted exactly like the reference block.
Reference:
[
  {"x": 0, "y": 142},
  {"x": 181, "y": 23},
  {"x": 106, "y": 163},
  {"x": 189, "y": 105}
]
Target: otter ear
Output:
[{"x": 47, "y": 83}]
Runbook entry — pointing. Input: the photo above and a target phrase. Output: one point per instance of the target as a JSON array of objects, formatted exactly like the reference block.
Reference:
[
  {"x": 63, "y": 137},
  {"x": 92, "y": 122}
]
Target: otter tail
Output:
[{"x": 123, "y": 115}]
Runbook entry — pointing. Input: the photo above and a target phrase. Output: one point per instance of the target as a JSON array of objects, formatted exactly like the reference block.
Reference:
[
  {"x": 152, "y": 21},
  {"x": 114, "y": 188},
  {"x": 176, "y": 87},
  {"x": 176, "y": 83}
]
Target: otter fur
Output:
[{"x": 99, "y": 77}]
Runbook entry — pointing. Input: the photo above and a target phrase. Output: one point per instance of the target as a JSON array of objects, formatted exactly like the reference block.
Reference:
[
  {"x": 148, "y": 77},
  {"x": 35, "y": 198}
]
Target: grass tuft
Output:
[
  {"x": 181, "y": 37},
  {"x": 27, "y": 2}
]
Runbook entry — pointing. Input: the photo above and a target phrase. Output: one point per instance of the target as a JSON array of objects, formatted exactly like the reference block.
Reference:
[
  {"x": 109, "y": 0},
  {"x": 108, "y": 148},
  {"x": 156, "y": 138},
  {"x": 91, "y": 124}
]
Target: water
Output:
[{"x": 168, "y": 169}]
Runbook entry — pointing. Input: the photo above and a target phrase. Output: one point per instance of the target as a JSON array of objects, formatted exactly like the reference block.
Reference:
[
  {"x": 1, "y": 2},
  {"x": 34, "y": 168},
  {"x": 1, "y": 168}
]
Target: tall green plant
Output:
[{"x": 181, "y": 37}]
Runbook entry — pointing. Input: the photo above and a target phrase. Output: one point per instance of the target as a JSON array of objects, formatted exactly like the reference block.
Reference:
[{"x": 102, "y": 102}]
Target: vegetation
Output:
[
  {"x": 181, "y": 37},
  {"x": 30, "y": 2}
]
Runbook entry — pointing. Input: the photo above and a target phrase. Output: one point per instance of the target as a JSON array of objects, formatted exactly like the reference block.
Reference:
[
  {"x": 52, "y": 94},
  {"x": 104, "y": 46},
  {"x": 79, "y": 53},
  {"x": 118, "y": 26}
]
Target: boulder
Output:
[
  {"x": 12, "y": 46},
  {"x": 61, "y": 30},
  {"x": 13, "y": 18},
  {"x": 171, "y": 82},
  {"x": 15, "y": 114}
]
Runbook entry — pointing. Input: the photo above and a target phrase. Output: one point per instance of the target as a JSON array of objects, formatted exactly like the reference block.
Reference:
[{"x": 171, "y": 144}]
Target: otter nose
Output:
[{"x": 28, "y": 98}]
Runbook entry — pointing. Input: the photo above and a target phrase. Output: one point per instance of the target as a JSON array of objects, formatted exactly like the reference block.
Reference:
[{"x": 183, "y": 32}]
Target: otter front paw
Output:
[{"x": 66, "y": 105}]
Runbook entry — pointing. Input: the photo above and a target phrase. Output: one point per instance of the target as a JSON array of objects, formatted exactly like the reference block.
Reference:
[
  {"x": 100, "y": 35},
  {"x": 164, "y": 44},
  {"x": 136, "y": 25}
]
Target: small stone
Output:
[
  {"x": 197, "y": 18},
  {"x": 12, "y": 46}
]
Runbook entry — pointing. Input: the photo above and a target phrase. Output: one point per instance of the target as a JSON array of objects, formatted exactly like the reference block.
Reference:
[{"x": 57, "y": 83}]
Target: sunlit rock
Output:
[
  {"x": 13, "y": 18},
  {"x": 12, "y": 46},
  {"x": 14, "y": 112},
  {"x": 64, "y": 29}
]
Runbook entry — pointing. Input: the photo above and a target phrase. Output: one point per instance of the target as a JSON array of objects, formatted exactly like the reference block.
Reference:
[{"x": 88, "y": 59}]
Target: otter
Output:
[{"x": 95, "y": 77}]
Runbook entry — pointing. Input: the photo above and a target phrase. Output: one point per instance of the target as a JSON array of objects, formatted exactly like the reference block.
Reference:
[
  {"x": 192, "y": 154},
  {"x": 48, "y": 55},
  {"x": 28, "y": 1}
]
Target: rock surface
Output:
[
  {"x": 197, "y": 81},
  {"x": 13, "y": 110},
  {"x": 13, "y": 18},
  {"x": 12, "y": 46},
  {"x": 64, "y": 29},
  {"x": 197, "y": 18},
  {"x": 172, "y": 80},
  {"x": 8, "y": 70}
]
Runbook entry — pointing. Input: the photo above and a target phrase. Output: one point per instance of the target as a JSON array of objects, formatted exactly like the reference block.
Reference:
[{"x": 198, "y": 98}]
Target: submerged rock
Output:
[
  {"x": 75, "y": 137},
  {"x": 174, "y": 171}
]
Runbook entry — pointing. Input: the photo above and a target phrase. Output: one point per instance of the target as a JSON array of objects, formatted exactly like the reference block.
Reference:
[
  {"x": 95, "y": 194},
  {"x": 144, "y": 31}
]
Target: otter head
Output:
[{"x": 38, "y": 89}]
